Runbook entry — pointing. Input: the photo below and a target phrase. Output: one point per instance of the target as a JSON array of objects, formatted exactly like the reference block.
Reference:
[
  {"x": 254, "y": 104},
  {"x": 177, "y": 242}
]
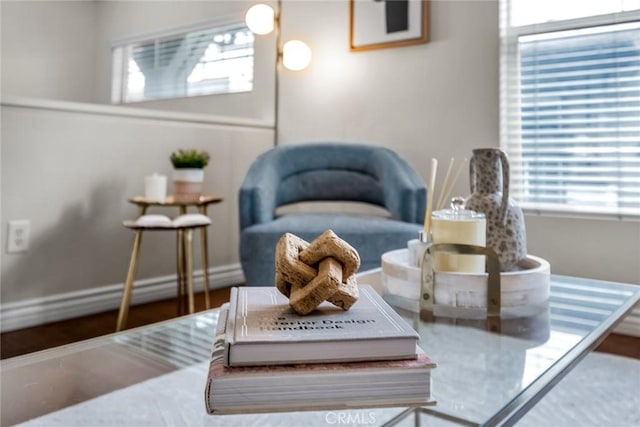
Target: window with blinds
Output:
[
  {"x": 203, "y": 62},
  {"x": 570, "y": 107}
]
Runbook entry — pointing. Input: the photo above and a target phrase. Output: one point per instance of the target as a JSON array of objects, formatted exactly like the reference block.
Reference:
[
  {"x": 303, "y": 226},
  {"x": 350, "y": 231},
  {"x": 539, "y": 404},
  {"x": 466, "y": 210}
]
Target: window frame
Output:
[
  {"x": 117, "y": 77},
  {"x": 509, "y": 98}
]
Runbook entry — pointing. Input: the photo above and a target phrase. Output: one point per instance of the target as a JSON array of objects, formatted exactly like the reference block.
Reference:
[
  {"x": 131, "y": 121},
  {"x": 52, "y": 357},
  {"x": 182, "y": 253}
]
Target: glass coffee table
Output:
[{"x": 155, "y": 375}]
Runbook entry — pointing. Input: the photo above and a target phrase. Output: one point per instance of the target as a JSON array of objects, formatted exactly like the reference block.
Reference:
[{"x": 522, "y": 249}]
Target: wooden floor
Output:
[{"x": 28, "y": 340}]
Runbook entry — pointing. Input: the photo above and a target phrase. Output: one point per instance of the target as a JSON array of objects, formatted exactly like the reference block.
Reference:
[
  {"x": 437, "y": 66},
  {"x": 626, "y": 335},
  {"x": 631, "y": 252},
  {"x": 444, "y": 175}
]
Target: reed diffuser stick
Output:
[
  {"x": 444, "y": 185},
  {"x": 447, "y": 191},
  {"x": 432, "y": 185}
]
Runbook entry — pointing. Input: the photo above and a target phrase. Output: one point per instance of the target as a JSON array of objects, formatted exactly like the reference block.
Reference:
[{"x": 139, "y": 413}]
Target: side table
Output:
[{"x": 184, "y": 258}]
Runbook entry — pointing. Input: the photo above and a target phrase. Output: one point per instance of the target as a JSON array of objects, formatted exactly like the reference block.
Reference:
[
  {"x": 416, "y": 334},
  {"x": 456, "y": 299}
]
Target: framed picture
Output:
[{"x": 377, "y": 24}]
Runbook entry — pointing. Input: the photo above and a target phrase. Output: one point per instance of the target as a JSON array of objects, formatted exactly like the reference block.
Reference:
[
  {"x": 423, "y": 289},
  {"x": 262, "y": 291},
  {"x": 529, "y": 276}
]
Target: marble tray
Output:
[{"x": 525, "y": 291}]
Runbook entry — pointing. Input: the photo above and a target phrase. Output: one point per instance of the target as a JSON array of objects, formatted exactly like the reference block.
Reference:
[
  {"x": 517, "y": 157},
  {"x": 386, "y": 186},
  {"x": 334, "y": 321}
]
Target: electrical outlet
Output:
[{"x": 18, "y": 236}]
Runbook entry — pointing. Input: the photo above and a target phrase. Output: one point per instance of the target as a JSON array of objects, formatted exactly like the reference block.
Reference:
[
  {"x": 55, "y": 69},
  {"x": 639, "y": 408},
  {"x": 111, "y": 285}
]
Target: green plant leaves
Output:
[{"x": 189, "y": 159}]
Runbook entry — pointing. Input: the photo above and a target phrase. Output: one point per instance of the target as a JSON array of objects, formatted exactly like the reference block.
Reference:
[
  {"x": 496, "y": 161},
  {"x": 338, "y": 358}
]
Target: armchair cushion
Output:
[{"x": 370, "y": 236}]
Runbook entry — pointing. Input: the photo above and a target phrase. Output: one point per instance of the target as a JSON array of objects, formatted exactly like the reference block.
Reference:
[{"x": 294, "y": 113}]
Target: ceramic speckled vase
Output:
[{"x": 489, "y": 180}]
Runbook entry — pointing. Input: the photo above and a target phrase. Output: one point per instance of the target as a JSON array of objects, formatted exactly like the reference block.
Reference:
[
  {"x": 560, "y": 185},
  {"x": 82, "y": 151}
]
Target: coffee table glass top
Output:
[{"x": 482, "y": 377}]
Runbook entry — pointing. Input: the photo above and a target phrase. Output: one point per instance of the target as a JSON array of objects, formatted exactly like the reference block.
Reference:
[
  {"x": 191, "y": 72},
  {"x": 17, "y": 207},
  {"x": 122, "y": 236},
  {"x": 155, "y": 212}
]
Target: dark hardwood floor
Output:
[
  {"x": 15, "y": 343},
  {"x": 37, "y": 338}
]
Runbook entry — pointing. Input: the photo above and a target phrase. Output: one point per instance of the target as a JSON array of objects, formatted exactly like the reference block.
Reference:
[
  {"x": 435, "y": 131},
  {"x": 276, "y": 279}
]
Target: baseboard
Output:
[{"x": 38, "y": 311}]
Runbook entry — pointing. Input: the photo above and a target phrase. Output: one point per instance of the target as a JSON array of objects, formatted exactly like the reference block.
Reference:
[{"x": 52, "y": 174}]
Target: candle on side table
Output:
[{"x": 155, "y": 188}]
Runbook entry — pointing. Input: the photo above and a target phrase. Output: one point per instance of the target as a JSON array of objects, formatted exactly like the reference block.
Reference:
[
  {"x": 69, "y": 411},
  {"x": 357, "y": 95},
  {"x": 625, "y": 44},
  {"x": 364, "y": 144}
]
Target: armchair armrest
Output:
[
  {"x": 257, "y": 195},
  {"x": 404, "y": 190}
]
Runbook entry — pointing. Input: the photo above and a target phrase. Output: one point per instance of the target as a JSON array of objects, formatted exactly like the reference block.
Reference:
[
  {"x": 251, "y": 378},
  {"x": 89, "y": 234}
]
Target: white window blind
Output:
[
  {"x": 570, "y": 104},
  {"x": 202, "y": 62}
]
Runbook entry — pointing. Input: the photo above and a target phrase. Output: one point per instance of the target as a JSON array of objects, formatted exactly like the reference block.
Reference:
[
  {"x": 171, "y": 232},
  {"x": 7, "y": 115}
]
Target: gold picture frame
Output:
[{"x": 379, "y": 24}]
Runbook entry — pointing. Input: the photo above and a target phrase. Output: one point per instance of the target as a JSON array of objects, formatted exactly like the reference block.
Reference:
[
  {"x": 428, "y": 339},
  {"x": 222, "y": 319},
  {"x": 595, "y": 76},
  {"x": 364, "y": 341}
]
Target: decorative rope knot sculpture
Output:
[{"x": 310, "y": 273}]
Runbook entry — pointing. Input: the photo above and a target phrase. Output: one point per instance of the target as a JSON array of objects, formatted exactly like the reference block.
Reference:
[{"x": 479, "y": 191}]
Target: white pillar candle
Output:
[{"x": 155, "y": 188}]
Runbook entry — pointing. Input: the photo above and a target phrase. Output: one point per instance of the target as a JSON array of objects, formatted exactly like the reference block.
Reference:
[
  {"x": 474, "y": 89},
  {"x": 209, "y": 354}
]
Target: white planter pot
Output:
[
  {"x": 188, "y": 175},
  {"x": 187, "y": 184}
]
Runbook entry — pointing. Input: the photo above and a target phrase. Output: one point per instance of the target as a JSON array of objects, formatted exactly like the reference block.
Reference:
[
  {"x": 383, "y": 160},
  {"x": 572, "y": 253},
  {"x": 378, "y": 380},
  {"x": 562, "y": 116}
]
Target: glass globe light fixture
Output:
[
  {"x": 296, "y": 55},
  {"x": 260, "y": 19}
]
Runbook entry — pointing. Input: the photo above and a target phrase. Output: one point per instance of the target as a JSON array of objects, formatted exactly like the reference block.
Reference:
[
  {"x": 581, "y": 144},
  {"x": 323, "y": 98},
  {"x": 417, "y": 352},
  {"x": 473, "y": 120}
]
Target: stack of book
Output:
[{"x": 266, "y": 358}]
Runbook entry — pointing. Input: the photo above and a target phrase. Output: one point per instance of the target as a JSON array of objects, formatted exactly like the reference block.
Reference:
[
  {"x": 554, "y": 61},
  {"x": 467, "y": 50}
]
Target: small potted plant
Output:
[{"x": 188, "y": 174}]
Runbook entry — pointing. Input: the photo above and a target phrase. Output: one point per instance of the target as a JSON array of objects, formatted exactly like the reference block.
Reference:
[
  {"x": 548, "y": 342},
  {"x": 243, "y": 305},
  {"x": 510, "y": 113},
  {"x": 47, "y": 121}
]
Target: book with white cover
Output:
[
  {"x": 263, "y": 330},
  {"x": 314, "y": 386},
  {"x": 163, "y": 221}
]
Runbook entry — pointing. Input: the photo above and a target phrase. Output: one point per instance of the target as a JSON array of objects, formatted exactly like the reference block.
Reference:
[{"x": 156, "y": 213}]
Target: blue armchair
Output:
[{"x": 327, "y": 172}]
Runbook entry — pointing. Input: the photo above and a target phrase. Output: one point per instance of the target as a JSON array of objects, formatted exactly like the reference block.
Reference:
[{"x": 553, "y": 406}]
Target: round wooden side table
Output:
[{"x": 184, "y": 252}]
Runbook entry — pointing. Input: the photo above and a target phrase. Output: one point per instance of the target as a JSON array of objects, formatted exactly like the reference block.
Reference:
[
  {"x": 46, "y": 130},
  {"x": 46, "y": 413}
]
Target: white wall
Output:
[
  {"x": 62, "y": 50},
  {"x": 43, "y": 55},
  {"x": 439, "y": 99},
  {"x": 70, "y": 174},
  {"x": 70, "y": 167},
  {"x": 431, "y": 100}
]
